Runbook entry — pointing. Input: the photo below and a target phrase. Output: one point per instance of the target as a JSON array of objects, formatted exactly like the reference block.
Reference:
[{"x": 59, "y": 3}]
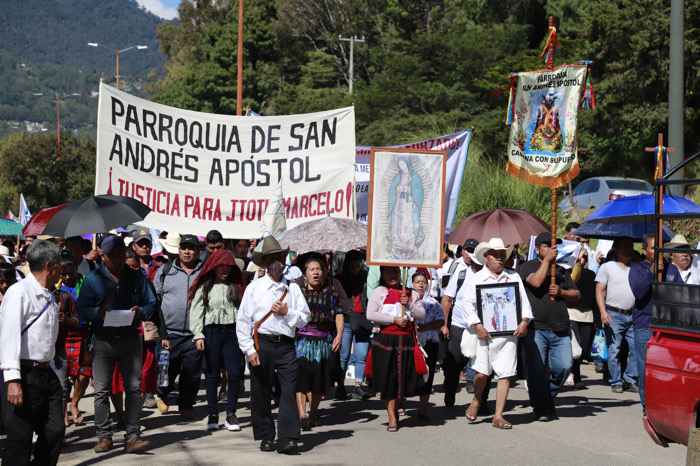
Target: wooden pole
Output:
[
  {"x": 660, "y": 200},
  {"x": 553, "y": 271},
  {"x": 403, "y": 288},
  {"x": 239, "y": 80}
]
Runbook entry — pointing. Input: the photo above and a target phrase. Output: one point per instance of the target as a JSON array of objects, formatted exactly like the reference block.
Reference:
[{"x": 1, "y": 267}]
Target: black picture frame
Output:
[{"x": 492, "y": 294}]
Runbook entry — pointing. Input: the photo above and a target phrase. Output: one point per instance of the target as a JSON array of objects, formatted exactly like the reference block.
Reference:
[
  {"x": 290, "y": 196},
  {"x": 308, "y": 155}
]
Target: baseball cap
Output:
[
  {"x": 545, "y": 237},
  {"x": 190, "y": 239},
  {"x": 142, "y": 234},
  {"x": 112, "y": 243},
  {"x": 470, "y": 243}
]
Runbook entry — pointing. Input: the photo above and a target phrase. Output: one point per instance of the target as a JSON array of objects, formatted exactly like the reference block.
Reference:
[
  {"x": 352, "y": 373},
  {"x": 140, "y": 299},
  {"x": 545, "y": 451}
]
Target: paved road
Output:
[{"x": 595, "y": 426}]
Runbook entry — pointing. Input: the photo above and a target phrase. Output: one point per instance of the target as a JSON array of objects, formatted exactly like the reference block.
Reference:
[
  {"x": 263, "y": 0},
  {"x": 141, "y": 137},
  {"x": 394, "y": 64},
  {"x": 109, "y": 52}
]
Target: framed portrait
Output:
[
  {"x": 498, "y": 306},
  {"x": 406, "y": 207}
]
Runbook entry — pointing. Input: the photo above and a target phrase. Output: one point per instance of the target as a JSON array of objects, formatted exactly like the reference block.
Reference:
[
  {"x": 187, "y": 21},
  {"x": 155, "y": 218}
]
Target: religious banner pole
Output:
[
  {"x": 660, "y": 152},
  {"x": 550, "y": 66}
]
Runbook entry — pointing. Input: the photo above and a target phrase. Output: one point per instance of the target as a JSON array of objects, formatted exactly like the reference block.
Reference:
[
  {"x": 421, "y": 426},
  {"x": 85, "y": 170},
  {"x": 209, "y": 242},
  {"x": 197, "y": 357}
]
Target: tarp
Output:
[
  {"x": 201, "y": 171},
  {"x": 456, "y": 145}
]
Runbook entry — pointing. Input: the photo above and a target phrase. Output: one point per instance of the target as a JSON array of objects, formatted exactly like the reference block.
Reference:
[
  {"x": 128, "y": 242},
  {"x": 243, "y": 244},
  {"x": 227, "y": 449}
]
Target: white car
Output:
[{"x": 594, "y": 192}]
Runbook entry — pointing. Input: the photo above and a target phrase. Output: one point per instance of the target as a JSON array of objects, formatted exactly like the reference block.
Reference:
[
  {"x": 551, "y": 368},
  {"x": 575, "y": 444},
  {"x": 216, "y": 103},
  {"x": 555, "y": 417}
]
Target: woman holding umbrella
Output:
[
  {"x": 392, "y": 361},
  {"x": 314, "y": 343}
]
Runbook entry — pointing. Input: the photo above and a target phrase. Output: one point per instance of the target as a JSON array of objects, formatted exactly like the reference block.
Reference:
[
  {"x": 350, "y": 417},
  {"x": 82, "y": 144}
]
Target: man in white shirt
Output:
[
  {"x": 278, "y": 307},
  {"x": 32, "y": 393},
  {"x": 496, "y": 354},
  {"x": 454, "y": 362},
  {"x": 616, "y": 301}
]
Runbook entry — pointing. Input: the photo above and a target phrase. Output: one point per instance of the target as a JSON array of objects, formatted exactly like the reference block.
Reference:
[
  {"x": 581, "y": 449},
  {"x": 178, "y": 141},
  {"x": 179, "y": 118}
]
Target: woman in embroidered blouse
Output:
[
  {"x": 392, "y": 355},
  {"x": 215, "y": 296},
  {"x": 314, "y": 343},
  {"x": 428, "y": 335}
]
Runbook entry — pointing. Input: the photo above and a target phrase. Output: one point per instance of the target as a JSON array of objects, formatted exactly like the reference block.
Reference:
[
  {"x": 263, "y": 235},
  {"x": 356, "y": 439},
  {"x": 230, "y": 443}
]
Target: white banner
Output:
[
  {"x": 456, "y": 145},
  {"x": 200, "y": 171}
]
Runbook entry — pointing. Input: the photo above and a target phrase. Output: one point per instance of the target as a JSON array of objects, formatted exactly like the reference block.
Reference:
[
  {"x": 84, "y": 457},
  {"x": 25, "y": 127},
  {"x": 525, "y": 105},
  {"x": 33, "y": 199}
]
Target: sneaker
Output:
[
  {"x": 150, "y": 401},
  {"x": 599, "y": 367},
  {"x": 358, "y": 393},
  {"x": 470, "y": 386},
  {"x": 104, "y": 444},
  {"x": 163, "y": 404},
  {"x": 135, "y": 444},
  {"x": 223, "y": 396},
  {"x": 213, "y": 423},
  {"x": 187, "y": 414},
  {"x": 617, "y": 388},
  {"x": 232, "y": 423}
]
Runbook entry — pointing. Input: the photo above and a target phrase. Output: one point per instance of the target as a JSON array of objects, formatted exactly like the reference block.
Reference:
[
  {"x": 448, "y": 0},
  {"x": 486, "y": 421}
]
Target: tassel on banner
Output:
[
  {"x": 588, "y": 101},
  {"x": 661, "y": 161},
  {"x": 552, "y": 38},
  {"x": 511, "y": 98}
]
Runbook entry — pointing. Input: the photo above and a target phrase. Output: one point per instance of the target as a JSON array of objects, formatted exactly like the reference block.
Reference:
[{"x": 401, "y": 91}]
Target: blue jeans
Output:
[
  {"x": 360, "y": 351},
  {"x": 549, "y": 361},
  {"x": 641, "y": 338},
  {"x": 221, "y": 349},
  {"x": 621, "y": 328}
]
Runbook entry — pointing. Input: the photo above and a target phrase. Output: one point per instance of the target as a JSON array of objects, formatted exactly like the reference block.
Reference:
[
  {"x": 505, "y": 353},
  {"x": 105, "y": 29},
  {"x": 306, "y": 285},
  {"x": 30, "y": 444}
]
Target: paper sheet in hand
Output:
[{"x": 118, "y": 318}]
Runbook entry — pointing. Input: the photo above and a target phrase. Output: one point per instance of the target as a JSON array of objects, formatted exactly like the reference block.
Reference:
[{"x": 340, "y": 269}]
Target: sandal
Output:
[
  {"x": 502, "y": 424},
  {"x": 472, "y": 412},
  {"x": 400, "y": 412},
  {"x": 78, "y": 420},
  {"x": 392, "y": 429}
]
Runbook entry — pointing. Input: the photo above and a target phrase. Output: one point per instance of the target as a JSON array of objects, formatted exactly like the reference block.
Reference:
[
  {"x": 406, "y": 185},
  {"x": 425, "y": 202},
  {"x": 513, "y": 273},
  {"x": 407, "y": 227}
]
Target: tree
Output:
[{"x": 30, "y": 166}]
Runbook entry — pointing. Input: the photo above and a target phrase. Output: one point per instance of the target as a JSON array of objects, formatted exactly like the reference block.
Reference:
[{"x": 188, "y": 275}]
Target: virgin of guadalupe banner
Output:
[
  {"x": 543, "y": 134},
  {"x": 201, "y": 172},
  {"x": 406, "y": 207}
]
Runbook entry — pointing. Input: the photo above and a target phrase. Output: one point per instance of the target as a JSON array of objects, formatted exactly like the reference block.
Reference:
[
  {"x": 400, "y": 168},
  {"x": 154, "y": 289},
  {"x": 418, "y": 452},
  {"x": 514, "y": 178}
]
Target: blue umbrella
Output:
[
  {"x": 640, "y": 209},
  {"x": 593, "y": 229},
  {"x": 10, "y": 228}
]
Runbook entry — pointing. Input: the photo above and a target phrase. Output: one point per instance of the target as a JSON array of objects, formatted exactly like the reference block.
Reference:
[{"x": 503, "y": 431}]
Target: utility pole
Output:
[
  {"x": 352, "y": 41},
  {"x": 676, "y": 90}
]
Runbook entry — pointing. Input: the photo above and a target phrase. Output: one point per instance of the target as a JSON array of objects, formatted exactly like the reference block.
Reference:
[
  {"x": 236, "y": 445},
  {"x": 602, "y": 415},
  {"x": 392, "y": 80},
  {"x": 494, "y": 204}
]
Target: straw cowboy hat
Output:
[
  {"x": 270, "y": 246},
  {"x": 495, "y": 244},
  {"x": 472, "y": 255},
  {"x": 677, "y": 241},
  {"x": 171, "y": 243},
  {"x": 5, "y": 252}
]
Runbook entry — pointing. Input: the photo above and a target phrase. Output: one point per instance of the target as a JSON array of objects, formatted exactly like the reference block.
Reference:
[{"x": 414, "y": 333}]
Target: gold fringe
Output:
[{"x": 543, "y": 181}]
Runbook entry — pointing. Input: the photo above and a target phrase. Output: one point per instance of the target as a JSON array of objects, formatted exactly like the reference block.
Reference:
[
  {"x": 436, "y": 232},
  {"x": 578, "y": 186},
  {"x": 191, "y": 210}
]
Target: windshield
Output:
[{"x": 634, "y": 185}]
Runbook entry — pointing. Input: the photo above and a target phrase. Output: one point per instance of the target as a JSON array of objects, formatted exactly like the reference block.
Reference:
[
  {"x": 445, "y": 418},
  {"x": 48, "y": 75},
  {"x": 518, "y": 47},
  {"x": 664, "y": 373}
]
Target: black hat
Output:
[
  {"x": 142, "y": 234},
  {"x": 470, "y": 243},
  {"x": 545, "y": 237},
  {"x": 190, "y": 239}
]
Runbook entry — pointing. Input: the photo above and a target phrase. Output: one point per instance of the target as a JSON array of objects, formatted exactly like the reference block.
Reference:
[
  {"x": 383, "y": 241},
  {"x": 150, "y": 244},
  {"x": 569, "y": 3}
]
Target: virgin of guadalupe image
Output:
[{"x": 405, "y": 197}]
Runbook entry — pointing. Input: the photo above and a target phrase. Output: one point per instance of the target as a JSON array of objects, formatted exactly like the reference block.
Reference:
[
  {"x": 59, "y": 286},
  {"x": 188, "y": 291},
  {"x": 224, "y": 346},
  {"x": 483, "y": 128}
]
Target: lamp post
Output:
[
  {"x": 58, "y": 115},
  {"x": 138, "y": 47}
]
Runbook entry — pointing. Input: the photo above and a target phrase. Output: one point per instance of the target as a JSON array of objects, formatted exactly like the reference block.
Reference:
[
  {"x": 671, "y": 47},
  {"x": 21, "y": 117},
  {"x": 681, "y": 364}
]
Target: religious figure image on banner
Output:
[
  {"x": 544, "y": 110},
  {"x": 406, "y": 207}
]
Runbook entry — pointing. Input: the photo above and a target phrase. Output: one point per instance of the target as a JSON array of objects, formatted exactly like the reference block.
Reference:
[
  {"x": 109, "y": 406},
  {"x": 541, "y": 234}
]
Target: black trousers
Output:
[
  {"x": 186, "y": 362},
  {"x": 454, "y": 361},
  {"x": 282, "y": 358},
  {"x": 41, "y": 412}
]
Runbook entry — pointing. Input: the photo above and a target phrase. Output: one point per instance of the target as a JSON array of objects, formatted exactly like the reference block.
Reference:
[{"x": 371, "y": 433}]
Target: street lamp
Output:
[
  {"x": 139, "y": 47},
  {"x": 58, "y": 114}
]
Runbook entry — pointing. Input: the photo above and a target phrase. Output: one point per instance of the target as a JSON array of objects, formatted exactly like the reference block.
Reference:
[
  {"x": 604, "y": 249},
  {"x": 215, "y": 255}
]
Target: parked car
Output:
[{"x": 594, "y": 192}]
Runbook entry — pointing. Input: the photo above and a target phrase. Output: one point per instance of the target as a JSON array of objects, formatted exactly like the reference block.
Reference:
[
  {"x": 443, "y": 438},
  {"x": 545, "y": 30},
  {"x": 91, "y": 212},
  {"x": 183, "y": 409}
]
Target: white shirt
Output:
[
  {"x": 22, "y": 303},
  {"x": 258, "y": 298},
  {"x": 291, "y": 272},
  {"x": 457, "y": 312},
  {"x": 451, "y": 289},
  {"x": 483, "y": 277}
]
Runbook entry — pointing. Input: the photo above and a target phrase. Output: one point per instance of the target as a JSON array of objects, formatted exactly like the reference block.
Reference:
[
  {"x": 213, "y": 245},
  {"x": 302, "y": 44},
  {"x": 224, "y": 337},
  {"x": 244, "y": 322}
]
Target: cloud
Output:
[{"x": 158, "y": 8}]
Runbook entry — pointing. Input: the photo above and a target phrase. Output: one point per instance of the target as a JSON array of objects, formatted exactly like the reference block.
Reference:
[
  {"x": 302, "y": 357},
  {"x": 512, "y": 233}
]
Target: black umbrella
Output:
[{"x": 95, "y": 214}]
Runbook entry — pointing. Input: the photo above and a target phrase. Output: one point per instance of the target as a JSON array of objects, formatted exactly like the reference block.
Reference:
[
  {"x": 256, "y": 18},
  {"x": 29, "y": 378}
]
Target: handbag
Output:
[
  {"x": 599, "y": 349},
  {"x": 469, "y": 343},
  {"x": 150, "y": 331},
  {"x": 419, "y": 355},
  {"x": 575, "y": 346}
]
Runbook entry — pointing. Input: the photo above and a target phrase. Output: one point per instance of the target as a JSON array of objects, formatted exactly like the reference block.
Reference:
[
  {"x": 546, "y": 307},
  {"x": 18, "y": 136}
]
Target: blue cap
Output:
[{"x": 112, "y": 243}]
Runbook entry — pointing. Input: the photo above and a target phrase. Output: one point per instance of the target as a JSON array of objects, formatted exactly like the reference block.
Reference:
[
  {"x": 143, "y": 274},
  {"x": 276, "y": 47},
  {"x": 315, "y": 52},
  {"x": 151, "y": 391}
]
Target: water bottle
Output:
[{"x": 163, "y": 363}]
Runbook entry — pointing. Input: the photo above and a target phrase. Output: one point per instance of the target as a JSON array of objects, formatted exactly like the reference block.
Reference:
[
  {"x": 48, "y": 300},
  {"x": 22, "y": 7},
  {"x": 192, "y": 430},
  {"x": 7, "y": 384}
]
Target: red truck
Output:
[{"x": 672, "y": 374}]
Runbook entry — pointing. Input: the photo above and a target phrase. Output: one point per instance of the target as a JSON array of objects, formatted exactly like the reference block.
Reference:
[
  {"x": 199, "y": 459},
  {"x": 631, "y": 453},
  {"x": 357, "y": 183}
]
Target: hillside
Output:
[{"x": 43, "y": 49}]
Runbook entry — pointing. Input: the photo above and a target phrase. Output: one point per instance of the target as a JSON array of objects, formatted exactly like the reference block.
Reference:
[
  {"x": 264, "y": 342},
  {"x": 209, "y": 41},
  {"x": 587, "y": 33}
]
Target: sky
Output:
[{"x": 166, "y": 9}]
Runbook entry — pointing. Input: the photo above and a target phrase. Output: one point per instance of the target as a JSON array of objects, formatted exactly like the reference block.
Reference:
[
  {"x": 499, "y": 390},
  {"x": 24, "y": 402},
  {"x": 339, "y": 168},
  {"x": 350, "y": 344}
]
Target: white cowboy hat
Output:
[
  {"x": 472, "y": 255},
  {"x": 171, "y": 243},
  {"x": 678, "y": 241},
  {"x": 495, "y": 244},
  {"x": 5, "y": 252}
]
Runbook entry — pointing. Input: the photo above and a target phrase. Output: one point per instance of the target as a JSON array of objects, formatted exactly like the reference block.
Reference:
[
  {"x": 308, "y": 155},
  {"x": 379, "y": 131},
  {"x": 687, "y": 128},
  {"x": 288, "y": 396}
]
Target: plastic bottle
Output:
[{"x": 163, "y": 363}]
